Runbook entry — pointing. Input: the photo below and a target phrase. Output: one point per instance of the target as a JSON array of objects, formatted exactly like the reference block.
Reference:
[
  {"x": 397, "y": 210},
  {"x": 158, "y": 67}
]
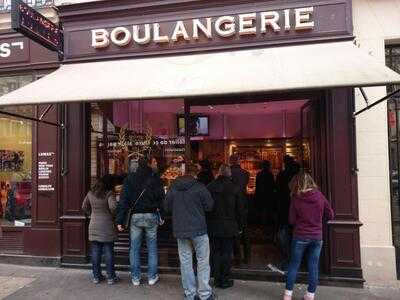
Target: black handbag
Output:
[{"x": 127, "y": 222}]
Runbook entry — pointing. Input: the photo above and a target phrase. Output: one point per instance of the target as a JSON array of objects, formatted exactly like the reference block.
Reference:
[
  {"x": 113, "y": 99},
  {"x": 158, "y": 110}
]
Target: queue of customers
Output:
[{"x": 208, "y": 217}]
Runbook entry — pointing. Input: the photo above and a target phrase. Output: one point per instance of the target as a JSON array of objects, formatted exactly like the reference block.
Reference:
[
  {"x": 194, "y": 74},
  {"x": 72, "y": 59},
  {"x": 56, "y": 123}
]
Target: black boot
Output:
[{"x": 226, "y": 284}]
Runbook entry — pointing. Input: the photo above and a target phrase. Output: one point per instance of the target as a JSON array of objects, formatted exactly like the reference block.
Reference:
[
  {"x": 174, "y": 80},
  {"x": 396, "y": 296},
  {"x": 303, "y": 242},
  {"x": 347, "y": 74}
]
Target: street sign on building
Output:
[{"x": 31, "y": 23}]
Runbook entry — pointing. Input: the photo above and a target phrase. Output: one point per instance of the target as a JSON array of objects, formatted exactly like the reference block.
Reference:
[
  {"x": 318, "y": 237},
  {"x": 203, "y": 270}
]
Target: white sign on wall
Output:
[{"x": 6, "y": 49}]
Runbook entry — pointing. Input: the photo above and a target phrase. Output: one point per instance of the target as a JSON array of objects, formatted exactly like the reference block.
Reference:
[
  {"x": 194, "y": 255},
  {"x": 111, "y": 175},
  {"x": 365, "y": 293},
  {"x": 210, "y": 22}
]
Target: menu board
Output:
[{"x": 46, "y": 176}]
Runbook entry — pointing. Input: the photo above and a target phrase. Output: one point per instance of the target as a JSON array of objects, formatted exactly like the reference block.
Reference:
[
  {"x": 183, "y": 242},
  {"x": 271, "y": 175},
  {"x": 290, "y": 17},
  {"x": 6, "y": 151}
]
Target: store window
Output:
[
  {"x": 15, "y": 158},
  {"x": 122, "y": 132},
  {"x": 393, "y": 61}
]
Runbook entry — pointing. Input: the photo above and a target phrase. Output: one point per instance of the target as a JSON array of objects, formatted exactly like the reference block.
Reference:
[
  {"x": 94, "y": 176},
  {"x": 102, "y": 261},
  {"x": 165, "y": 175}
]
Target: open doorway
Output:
[
  {"x": 254, "y": 131},
  {"x": 262, "y": 135}
]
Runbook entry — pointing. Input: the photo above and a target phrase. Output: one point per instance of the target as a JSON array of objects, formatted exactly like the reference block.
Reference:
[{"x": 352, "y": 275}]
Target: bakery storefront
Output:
[
  {"x": 22, "y": 62},
  {"x": 188, "y": 81}
]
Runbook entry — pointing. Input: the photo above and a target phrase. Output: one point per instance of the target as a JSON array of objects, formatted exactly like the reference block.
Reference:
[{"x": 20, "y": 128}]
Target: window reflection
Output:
[{"x": 15, "y": 158}]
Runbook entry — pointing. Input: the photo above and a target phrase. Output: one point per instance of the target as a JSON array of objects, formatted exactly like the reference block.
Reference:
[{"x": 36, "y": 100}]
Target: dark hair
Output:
[
  {"x": 287, "y": 159},
  {"x": 144, "y": 162},
  {"x": 190, "y": 170},
  {"x": 225, "y": 170},
  {"x": 234, "y": 159},
  {"x": 103, "y": 186},
  {"x": 265, "y": 165},
  {"x": 205, "y": 165}
]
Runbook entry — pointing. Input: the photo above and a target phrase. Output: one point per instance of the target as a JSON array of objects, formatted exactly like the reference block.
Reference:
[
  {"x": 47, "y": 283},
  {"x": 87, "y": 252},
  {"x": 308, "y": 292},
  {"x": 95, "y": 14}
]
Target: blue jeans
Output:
[
  {"x": 148, "y": 224},
  {"x": 313, "y": 251},
  {"x": 201, "y": 246},
  {"x": 284, "y": 237},
  {"x": 97, "y": 251}
]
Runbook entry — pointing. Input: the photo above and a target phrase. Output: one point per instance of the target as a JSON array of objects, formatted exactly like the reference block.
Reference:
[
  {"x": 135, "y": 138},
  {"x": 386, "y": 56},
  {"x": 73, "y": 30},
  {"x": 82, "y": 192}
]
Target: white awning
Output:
[{"x": 290, "y": 68}]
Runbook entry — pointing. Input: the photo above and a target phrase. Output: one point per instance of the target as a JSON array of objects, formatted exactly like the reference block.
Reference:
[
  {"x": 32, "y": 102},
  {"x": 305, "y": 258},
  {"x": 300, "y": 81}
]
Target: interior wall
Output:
[
  {"x": 375, "y": 22},
  {"x": 162, "y": 118}
]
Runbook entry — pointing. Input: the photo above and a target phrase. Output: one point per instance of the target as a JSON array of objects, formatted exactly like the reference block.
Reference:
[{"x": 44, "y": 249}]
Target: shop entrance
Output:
[{"x": 256, "y": 131}]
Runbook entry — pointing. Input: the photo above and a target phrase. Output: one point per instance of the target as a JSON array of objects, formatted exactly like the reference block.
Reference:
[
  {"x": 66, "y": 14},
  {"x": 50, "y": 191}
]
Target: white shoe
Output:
[
  {"x": 135, "y": 282},
  {"x": 154, "y": 280}
]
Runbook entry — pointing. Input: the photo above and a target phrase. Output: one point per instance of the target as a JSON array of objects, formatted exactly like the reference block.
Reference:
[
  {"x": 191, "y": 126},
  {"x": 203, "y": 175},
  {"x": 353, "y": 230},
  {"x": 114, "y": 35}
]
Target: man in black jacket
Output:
[
  {"x": 189, "y": 200},
  {"x": 224, "y": 224},
  {"x": 143, "y": 192}
]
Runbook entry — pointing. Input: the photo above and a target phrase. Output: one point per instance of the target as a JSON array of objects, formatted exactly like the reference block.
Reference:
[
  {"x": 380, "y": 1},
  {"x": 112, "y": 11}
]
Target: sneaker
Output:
[
  {"x": 136, "y": 282},
  {"x": 114, "y": 280},
  {"x": 154, "y": 280},
  {"x": 96, "y": 280},
  {"x": 275, "y": 269}
]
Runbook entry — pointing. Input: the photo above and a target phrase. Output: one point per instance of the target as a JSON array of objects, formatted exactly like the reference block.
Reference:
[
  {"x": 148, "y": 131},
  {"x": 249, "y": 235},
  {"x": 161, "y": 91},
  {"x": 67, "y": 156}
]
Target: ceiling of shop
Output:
[{"x": 273, "y": 107}]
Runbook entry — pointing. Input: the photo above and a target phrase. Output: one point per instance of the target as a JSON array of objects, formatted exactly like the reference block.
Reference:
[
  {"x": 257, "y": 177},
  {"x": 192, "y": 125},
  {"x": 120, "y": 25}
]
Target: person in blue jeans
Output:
[
  {"x": 144, "y": 224},
  {"x": 189, "y": 200},
  {"x": 308, "y": 209},
  {"x": 100, "y": 204},
  {"x": 142, "y": 191}
]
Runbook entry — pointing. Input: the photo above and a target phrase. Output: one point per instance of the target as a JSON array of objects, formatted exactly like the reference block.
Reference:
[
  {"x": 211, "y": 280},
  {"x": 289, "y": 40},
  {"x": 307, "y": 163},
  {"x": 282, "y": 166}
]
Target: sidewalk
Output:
[{"x": 34, "y": 283}]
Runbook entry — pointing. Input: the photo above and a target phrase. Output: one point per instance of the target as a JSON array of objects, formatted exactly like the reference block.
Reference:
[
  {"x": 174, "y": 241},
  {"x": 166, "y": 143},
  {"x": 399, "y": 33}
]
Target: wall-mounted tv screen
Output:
[{"x": 198, "y": 125}]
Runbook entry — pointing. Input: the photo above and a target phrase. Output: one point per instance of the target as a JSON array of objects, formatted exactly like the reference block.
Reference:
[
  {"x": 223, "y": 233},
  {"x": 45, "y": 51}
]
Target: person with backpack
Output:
[
  {"x": 308, "y": 209},
  {"x": 141, "y": 204},
  {"x": 188, "y": 200},
  {"x": 100, "y": 204}
]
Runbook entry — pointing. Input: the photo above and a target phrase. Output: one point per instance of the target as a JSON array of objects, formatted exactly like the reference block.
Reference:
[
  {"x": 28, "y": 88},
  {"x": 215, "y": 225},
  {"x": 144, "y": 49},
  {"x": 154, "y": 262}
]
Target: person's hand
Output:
[{"x": 120, "y": 227}]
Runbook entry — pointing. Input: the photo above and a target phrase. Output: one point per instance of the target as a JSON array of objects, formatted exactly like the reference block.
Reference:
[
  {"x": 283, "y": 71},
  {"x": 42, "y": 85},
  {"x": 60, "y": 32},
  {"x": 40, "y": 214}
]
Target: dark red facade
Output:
[{"x": 59, "y": 228}]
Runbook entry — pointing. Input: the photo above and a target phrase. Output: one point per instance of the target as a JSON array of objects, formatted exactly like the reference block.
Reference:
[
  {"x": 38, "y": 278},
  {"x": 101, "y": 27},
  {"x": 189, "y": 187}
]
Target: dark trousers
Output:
[
  {"x": 244, "y": 239},
  {"x": 284, "y": 237},
  {"x": 221, "y": 258},
  {"x": 98, "y": 248}
]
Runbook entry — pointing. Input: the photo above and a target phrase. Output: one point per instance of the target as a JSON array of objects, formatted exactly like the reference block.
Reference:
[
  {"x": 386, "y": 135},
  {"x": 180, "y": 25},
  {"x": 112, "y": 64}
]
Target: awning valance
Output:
[{"x": 290, "y": 68}]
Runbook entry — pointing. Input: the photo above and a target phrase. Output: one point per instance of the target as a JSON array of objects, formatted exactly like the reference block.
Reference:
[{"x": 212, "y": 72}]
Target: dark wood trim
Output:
[
  {"x": 345, "y": 256},
  {"x": 89, "y": 10},
  {"x": 222, "y": 48}
]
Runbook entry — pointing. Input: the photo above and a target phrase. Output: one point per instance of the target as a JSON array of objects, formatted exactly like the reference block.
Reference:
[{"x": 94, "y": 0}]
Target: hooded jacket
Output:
[
  {"x": 307, "y": 212},
  {"x": 226, "y": 218},
  {"x": 188, "y": 200}
]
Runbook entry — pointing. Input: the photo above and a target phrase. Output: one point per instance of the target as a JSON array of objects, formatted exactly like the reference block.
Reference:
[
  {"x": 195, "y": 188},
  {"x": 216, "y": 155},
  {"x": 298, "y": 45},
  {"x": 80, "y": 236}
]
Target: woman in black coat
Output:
[{"x": 224, "y": 224}]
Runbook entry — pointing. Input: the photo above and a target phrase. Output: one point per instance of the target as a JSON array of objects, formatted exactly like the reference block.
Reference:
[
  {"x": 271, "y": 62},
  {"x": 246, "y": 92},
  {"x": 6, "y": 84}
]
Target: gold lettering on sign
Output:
[
  {"x": 266, "y": 23},
  {"x": 198, "y": 26},
  {"x": 136, "y": 34},
  {"x": 225, "y": 26},
  {"x": 246, "y": 24},
  {"x": 121, "y": 36},
  {"x": 156, "y": 34},
  {"x": 303, "y": 17},
  {"x": 100, "y": 38},
  {"x": 270, "y": 18},
  {"x": 287, "y": 19},
  {"x": 180, "y": 31}
]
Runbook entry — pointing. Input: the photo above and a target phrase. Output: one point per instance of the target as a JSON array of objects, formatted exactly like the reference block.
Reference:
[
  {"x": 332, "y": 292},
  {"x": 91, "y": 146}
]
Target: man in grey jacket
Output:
[{"x": 189, "y": 200}]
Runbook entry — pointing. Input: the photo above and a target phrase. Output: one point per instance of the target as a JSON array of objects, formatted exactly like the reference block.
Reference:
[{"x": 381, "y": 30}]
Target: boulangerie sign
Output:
[
  {"x": 240, "y": 25},
  {"x": 249, "y": 24}
]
